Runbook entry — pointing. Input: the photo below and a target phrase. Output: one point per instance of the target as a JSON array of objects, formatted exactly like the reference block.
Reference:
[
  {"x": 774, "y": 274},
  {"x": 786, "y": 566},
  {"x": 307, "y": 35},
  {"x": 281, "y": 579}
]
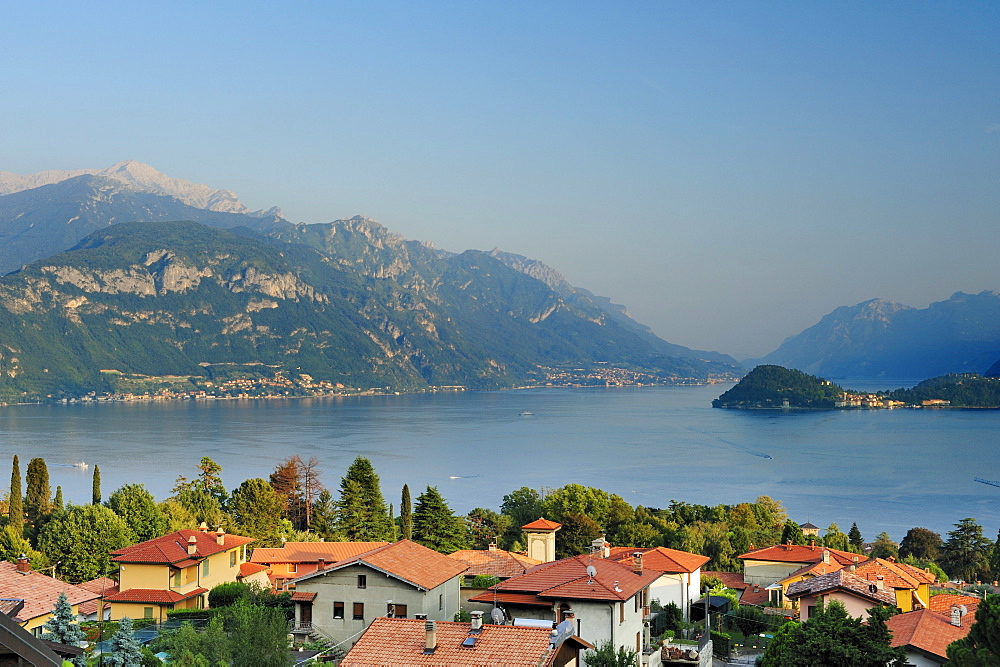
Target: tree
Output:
[
  {"x": 792, "y": 533},
  {"x": 361, "y": 512},
  {"x": 965, "y": 555},
  {"x": 80, "y": 539},
  {"x": 324, "y": 515},
  {"x": 405, "y": 515},
  {"x": 61, "y": 628},
  {"x": 884, "y": 547},
  {"x": 577, "y": 533},
  {"x": 606, "y": 655},
  {"x": 523, "y": 506},
  {"x": 202, "y": 505},
  {"x": 854, "y": 537},
  {"x": 13, "y": 544},
  {"x": 125, "y": 650},
  {"x": 258, "y": 635},
  {"x": 257, "y": 510},
  {"x": 95, "y": 493},
  {"x": 921, "y": 543},
  {"x": 15, "y": 501},
  {"x": 134, "y": 504},
  {"x": 287, "y": 483},
  {"x": 486, "y": 527},
  {"x": 832, "y": 637},
  {"x": 435, "y": 526},
  {"x": 57, "y": 503},
  {"x": 995, "y": 557},
  {"x": 38, "y": 498},
  {"x": 835, "y": 539},
  {"x": 981, "y": 647}
]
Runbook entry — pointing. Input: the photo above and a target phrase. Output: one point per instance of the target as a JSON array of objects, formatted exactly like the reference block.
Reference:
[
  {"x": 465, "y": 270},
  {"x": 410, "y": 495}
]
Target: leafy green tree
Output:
[
  {"x": 921, "y": 543},
  {"x": 361, "y": 512},
  {"x": 405, "y": 514},
  {"x": 995, "y": 557},
  {"x": 855, "y": 538},
  {"x": 258, "y": 635},
  {"x": 750, "y": 620},
  {"x": 577, "y": 533},
  {"x": 486, "y": 527},
  {"x": 981, "y": 647},
  {"x": 229, "y": 593},
  {"x": 208, "y": 480},
  {"x": 523, "y": 506},
  {"x": 80, "y": 539},
  {"x": 791, "y": 533},
  {"x": 15, "y": 500},
  {"x": 606, "y": 655},
  {"x": 435, "y": 526},
  {"x": 177, "y": 515},
  {"x": 965, "y": 554},
  {"x": 125, "y": 649},
  {"x": 38, "y": 497},
  {"x": 13, "y": 544},
  {"x": 209, "y": 647},
  {"x": 136, "y": 506},
  {"x": 884, "y": 547},
  {"x": 95, "y": 493},
  {"x": 832, "y": 637},
  {"x": 62, "y": 629},
  {"x": 836, "y": 539},
  {"x": 257, "y": 510},
  {"x": 202, "y": 505}
]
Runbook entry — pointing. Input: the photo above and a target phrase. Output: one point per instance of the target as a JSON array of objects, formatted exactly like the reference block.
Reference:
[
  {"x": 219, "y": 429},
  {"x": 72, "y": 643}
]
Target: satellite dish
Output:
[
  {"x": 873, "y": 589},
  {"x": 963, "y": 609},
  {"x": 497, "y": 616},
  {"x": 591, "y": 571}
]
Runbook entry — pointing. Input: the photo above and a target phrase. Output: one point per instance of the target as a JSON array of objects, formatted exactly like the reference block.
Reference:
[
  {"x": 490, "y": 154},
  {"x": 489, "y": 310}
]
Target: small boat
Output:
[
  {"x": 527, "y": 414},
  {"x": 81, "y": 465}
]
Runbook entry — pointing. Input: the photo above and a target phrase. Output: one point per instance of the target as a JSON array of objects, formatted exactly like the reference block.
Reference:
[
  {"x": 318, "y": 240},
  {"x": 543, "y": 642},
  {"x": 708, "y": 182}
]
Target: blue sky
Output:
[{"x": 729, "y": 171}]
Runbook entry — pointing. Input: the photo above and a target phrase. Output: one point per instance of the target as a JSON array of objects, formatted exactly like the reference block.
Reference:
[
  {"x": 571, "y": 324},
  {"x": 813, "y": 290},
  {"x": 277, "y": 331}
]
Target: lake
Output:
[{"x": 885, "y": 469}]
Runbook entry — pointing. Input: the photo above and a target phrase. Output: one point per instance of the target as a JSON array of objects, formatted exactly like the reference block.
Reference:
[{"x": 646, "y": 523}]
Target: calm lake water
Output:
[{"x": 887, "y": 470}]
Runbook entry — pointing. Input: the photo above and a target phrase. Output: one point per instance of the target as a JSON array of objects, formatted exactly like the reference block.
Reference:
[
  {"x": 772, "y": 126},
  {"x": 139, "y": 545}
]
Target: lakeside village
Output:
[{"x": 306, "y": 578}]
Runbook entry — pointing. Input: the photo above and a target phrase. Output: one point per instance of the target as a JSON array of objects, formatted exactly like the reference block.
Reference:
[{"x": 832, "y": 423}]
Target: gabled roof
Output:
[
  {"x": 494, "y": 562},
  {"x": 38, "y": 591},
  {"x": 542, "y": 524},
  {"x": 927, "y": 630},
  {"x": 311, "y": 552},
  {"x": 844, "y": 581},
  {"x": 814, "y": 570},
  {"x": 103, "y": 586},
  {"x": 796, "y": 553},
  {"x": 568, "y": 578},
  {"x": 896, "y": 575},
  {"x": 671, "y": 561},
  {"x": 389, "y": 642},
  {"x": 405, "y": 560},
  {"x": 153, "y": 595},
  {"x": 944, "y": 602},
  {"x": 172, "y": 549},
  {"x": 808, "y": 526},
  {"x": 248, "y": 569}
]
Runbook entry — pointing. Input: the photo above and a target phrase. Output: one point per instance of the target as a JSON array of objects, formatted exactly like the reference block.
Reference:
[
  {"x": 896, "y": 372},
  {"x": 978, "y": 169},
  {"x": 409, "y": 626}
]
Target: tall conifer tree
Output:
[
  {"x": 361, "y": 511},
  {"x": 16, "y": 499},
  {"x": 96, "y": 491},
  {"x": 435, "y": 526},
  {"x": 57, "y": 503},
  {"x": 406, "y": 515},
  {"x": 38, "y": 498}
]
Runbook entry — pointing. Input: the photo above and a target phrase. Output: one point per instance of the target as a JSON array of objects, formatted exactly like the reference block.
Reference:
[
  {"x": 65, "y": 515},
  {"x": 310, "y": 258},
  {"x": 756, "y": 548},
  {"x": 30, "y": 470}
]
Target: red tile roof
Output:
[
  {"x": 749, "y": 593},
  {"x": 896, "y": 575},
  {"x": 303, "y": 596},
  {"x": 944, "y": 602},
  {"x": 663, "y": 559},
  {"x": 389, "y": 642},
  {"x": 153, "y": 595},
  {"x": 841, "y": 580},
  {"x": 248, "y": 569},
  {"x": 38, "y": 591},
  {"x": 815, "y": 569},
  {"x": 102, "y": 586},
  {"x": 794, "y": 553},
  {"x": 405, "y": 560},
  {"x": 494, "y": 562},
  {"x": 495, "y": 596},
  {"x": 542, "y": 524},
  {"x": 927, "y": 630},
  {"x": 311, "y": 552},
  {"x": 568, "y": 578},
  {"x": 172, "y": 548}
]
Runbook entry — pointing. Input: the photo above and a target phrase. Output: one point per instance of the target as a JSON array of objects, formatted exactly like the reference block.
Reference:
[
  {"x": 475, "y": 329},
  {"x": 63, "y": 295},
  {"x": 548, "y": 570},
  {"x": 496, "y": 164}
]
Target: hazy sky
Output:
[{"x": 729, "y": 171}]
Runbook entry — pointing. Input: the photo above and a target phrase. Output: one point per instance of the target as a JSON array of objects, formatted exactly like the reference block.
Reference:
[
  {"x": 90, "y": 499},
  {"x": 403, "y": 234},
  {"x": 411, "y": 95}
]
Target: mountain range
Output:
[{"x": 131, "y": 271}]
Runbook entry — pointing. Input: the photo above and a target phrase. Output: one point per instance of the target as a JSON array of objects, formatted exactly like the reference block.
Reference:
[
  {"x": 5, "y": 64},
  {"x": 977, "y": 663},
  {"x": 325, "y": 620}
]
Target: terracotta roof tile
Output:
[
  {"x": 172, "y": 548},
  {"x": 542, "y": 524},
  {"x": 794, "y": 553},
  {"x": 311, "y": 552},
  {"x": 896, "y": 575},
  {"x": 944, "y": 602},
  {"x": 529, "y": 599},
  {"x": 494, "y": 562},
  {"x": 38, "y": 591},
  {"x": 389, "y": 642},
  {"x": 661, "y": 558},
  {"x": 303, "y": 596},
  {"x": 406, "y": 560},
  {"x": 154, "y": 595},
  {"x": 248, "y": 569},
  {"x": 567, "y": 578},
  {"x": 101, "y": 585},
  {"x": 840, "y": 580},
  {"x": 927, "y": 630}
]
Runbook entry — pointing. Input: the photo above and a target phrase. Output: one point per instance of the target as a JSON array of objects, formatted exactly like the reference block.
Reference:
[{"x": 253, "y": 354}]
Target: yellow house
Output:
[
  {"x": 37, "y": 594},
  {"x": 175, "y": 571},
  {"x": 910, "y": 585}
]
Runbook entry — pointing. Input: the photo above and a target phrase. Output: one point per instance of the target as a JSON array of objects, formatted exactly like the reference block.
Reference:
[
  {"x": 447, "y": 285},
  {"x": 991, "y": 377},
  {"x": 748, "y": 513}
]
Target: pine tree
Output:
[
  {"x": 405, "y": 515},
  {"x": 435, "y": 526},
  {"x": 125, "y": 650},
  {"x": 16, "y": 499},
  {"x": 982, "y": 645},
  {"x": 61, "y": 628},
  {"x": 57, "y": 503},
  {"x": 38, "y": 499},
  {"x": 362, "y": 515},
  {"x": 96, "y": 490},
  {"x": 964, "y": 555},
  {"x": 257, "y": 511},
  {"x": 854, "y": 537}
]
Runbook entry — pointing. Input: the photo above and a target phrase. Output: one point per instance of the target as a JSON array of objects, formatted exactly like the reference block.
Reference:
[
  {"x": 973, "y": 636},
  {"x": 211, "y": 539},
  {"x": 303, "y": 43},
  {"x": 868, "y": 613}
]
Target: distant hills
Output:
[
  {"x": 885, "y": 339},
  {"x": 121, "y": 272}
]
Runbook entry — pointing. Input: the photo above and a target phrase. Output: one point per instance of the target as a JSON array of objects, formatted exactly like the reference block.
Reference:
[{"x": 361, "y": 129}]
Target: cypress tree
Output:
[
  {"x": 57, "y": 503},
  {"x": 96, "y": 497},
  {"x": 435, "y": 526},
  {"x": 405, "y": 515},
  {"x": 38, "y": 499},
  {"x": 361, "y": 512},
  {"x": 16, "y": 499}
]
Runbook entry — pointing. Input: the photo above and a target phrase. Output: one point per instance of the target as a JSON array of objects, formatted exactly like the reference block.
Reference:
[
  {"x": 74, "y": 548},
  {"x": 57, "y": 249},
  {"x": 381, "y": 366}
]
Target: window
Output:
[
  {"x": 147, "y": 612},
  {"x": 293, "y": 567},
  {"x": 232, "y": 558},
  {"x": 338, "y": 609},
  {"x": 400, "y": 610},
  {"x": 362, "y": 581},
  {"x": 440, "y": 602},
  {"x": 621, "y": 612},
  {"x": 359, "y": 611},
  {"x": 204, "y": 568},
  {"x": 176, "y": 578}
]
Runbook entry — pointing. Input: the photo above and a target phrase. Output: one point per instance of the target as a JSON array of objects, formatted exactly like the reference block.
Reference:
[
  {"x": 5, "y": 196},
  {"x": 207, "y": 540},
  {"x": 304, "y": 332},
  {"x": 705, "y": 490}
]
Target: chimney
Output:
[
  {"x": 956, "y": 616},
  {"x": 220, "y": 537},
  {"x": 826, "y": 556},
  {"x": 493, "y": 546},
  {"x": 477, "y": 621},
  {"x": 431, "y": 637},
  {"x": 192, "y": 545},
  {"x": 321, "y": 564},
  {"x": 23, "y": 565},
  {"x": 203, "y": 527},
  {"x": 637, "y": 562},
  {"x": 812, "y": 544},
  {"x": 420, "y": 617},
  {"x": 880, "y": 582},
  {"x": 788, "y": 545}
]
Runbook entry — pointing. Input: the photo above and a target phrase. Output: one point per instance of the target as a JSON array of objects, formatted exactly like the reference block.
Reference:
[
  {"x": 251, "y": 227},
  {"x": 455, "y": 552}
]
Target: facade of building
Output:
[
  {"x": 680, "y": 581},
  {"x": 925, "y": 634},
  {"x": 175, "y": 571},
  {"x": 856, "y": 593},
  {"x": 767, "y": 566},
  {"x": 297, "y": 559},
  {"x": 37, "y": 594}
]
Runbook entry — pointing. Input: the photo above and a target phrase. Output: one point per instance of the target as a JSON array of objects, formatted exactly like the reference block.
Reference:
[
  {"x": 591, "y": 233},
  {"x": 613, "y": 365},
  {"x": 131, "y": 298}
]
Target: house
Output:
[
  {"x": 401, "y": 579},
  {"x": 766, "y": 566},
  {"x": 680, "y": 578},
  {"x": 389, "y": 642},
  {"x": 926, "y": 633},
  {"x": 856, "y": 593},
  {"x": 911, "y": 585},
  {"x": 295, "y": 559},
  {"x": 37, "y": 594},
  {"x": 97, "y": 609},
  {"x": 609, "y": 598},
  {"x": 494, "y": 562},
  {"x": 809, "y": 530},
  {"x": 175, "y": 571},
  {"x": 748, "y": 594},
  {"x": 20, "y": 647}
]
